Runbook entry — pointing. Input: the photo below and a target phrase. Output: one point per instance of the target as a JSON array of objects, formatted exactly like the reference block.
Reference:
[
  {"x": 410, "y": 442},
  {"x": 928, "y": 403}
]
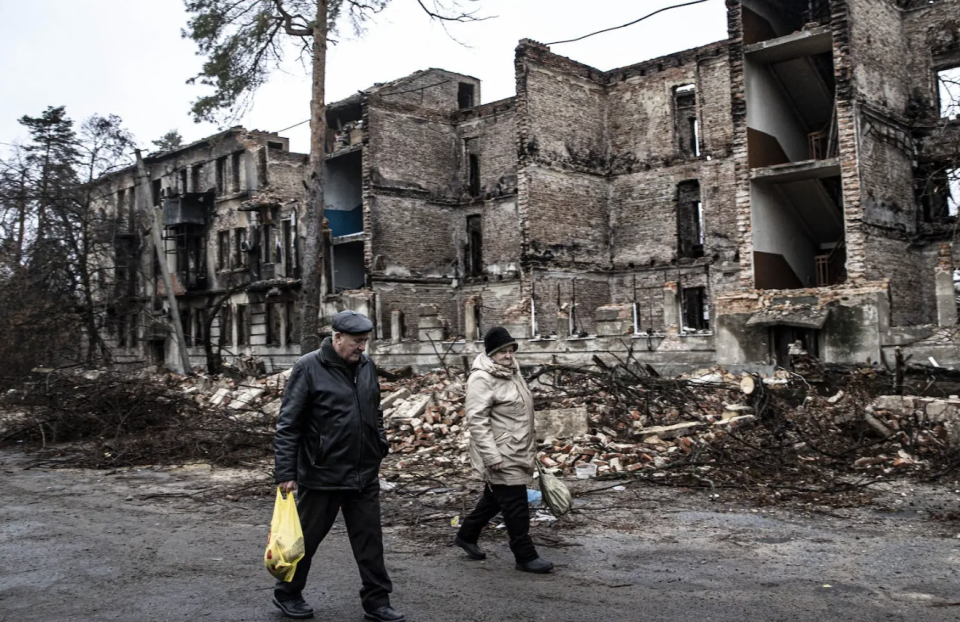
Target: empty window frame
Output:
[
  {"x": 221, "y": 171},
  {"x": 689, "y": 220},
  {"x": 226, "y": 326},
  {"x": 465, "y": 96},
  {"x": 938, "y": 190},
  {"x": 200, "y": 327},
  {"x": 189, "y": 253},
  {"x": 687, "y": 128},
  {"x": 223, "y": 250},
  {"x": 273, "y": 323},
  {"x": 235, "y": 162},
  {"x": 182, "y": 179},
  {"x": 196, "y": 185},
  {"x": 289, "y": 256},
  {"x": 243, "y": 325},
  {"x": 268, "y": 247},
  {"x": 156, "y": 191},
  {"x": 696, "y": 310},
  {"x": 122, "y": 331},
  {"x": 291, "y": 323},
  {"x": 122, "y": 206},
  {"x": 473, "y": 252},
  {"x": 239, "y": 241},
  {"x": 948, "y": 83},
  {"x": 471, "y": 147}
]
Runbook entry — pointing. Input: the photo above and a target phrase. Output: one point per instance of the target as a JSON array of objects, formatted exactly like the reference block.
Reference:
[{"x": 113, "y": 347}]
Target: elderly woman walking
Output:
[{"x": 503, "y": 447}]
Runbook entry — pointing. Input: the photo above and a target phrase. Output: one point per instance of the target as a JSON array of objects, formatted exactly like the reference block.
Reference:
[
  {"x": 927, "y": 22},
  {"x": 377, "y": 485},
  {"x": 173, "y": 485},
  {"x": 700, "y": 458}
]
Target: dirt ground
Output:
[{"x": 169, "y": 544}]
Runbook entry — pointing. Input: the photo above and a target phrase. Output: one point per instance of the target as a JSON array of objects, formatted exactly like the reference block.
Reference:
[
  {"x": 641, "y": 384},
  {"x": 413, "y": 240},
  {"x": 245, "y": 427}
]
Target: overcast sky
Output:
[{"x": 126, "y": 57}]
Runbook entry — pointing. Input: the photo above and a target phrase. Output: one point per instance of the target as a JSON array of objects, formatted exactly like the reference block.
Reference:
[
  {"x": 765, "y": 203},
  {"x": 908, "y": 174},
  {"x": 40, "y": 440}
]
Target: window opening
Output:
[
  {"x": 226, "y": 326},
  {"x": 472, "y": 148},
  {"x": 243, "y": 325},
  {"x": 787, "y": 338},
  {"x": 223, "y": 250},
  {"x": 221, "y": 170},
  {"x": 188, "y": 249},
  {"x": 121, "y": 206},
  {"x": 696, "y": 311},
  {"x": 235, "y": 171},
  {"x": 156, "y": 189},
  {"x": 273, "y": 145},
  {"x": 689, "y": 220},
  {"x": 473, "y": 254},
  {"x": 268, "y": 252},
  {"x": 122, "y": 331},
  {"x": 292, "y": 333},
  {"x": 948, "y": 81},
  {"x": 465, "y": 93},
  {"x": 685, "y": 108},
  {"x": 182, "y": 178},
  {"x": 195, "y": 179},
  {"x": 239, "y": 241},
  {"x": 289, "y": 257},
  {"x": 273, "y": 324}
]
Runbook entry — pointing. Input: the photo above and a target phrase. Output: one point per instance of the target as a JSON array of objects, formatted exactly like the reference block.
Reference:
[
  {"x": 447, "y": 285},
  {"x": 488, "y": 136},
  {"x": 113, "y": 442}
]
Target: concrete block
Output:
[{"x": 394, "y": 397}]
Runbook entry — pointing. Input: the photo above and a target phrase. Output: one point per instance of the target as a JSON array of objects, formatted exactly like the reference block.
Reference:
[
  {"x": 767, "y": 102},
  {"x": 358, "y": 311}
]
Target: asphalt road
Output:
[{"x": 86, "y": 545}]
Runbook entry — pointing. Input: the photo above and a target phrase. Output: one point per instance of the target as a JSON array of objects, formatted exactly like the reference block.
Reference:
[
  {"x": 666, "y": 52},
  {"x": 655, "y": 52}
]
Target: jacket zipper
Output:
[{"x": 356, "y": 399}]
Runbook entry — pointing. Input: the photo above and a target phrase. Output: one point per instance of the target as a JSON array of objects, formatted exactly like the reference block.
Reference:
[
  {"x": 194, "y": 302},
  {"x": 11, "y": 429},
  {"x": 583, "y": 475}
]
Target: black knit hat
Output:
[{"x": 497, "y": 338}]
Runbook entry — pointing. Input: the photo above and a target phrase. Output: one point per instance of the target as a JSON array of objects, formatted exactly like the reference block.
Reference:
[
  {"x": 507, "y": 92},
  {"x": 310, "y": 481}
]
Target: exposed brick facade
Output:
[{"x": 787, "y": 157}]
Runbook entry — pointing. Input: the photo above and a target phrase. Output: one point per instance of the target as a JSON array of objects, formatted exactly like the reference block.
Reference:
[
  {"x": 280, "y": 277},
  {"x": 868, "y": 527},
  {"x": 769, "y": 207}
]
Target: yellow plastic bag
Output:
[{"x": 285, "y": 545}]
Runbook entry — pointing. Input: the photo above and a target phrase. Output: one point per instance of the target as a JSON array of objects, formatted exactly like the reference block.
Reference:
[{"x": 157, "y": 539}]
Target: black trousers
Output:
[
  {"x": 512, "y": 501},
  {"x": 361, "y": 513}
]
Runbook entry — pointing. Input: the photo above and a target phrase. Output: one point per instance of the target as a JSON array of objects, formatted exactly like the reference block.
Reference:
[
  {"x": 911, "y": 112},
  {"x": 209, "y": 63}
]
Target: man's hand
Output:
[
  {"x": 289, "y": 486},
  {"x": 496, "y": 467}
]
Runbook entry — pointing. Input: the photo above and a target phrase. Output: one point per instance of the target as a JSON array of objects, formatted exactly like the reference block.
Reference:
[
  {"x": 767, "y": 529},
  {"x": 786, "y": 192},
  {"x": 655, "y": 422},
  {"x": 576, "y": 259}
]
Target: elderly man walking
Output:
[{"x": 329, "y": 444}]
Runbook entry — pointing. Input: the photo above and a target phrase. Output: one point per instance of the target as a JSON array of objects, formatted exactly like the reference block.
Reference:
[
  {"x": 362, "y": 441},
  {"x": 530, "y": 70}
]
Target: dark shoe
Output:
[
  {"x": 473, "y": 551},
  {"x": 294, "y": 608},
  {"x": 537, "y": 566},
  {"x": 385, "y": 613}
]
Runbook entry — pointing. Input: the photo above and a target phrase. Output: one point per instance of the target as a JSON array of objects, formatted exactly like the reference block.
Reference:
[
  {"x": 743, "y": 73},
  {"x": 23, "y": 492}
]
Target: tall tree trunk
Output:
[
  {"x": 22, "y": 215},
  {"x": 313, "y": 265}
]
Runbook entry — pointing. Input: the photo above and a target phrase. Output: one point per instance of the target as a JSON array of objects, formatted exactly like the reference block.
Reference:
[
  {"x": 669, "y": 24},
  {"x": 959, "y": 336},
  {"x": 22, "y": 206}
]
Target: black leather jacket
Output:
[{"x": 330, "y": 431}]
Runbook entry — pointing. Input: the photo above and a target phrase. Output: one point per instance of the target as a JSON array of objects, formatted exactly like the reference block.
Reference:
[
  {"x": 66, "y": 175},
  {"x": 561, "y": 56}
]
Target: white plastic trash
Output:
[{"x": 586, "y": 470}]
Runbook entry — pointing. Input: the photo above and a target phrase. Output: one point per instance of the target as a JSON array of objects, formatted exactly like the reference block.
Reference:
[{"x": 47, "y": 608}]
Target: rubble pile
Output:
[
  {"x": 784, "y": 436},
  {"x": 424, "y": 420},
  {"x": 772, "y": 437}
]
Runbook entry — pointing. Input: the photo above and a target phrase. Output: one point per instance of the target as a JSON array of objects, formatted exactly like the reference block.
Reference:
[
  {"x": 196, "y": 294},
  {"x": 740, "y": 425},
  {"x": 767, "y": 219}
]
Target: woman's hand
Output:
[{"x": 496, "y": 467}]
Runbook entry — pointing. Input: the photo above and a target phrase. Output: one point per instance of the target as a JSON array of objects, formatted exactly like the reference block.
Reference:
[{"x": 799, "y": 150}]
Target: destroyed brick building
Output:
[
  {"x": 231, "y": 208},
  {"x": 717, "y": 205}
]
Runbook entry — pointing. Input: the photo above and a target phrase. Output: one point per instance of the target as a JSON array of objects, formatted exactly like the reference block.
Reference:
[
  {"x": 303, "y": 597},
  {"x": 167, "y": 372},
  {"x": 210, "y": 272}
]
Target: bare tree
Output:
[{"x": 243, "y": 42}]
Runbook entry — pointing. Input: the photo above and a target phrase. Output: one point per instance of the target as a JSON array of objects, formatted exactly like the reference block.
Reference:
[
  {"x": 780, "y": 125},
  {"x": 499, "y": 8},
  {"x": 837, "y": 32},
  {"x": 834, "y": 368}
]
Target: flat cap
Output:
[{"x": 352, "y": 323}]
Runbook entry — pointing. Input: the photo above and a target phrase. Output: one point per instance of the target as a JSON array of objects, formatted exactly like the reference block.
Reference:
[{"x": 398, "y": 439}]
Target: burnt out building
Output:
[
  {"x": 793, "y": 183},
  {"x": 229, "y": 214}
]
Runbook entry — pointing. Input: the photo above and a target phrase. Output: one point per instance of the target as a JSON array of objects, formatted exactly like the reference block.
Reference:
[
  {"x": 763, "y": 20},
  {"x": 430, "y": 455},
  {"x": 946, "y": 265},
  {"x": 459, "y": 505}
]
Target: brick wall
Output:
[
  {"x": 494, "y": 126},
  {"x": 879, "y": 49},
  {"x": 431, "y": 89},
  {"x": 568, "y": 220},
  {"x": 411, "y": 237},
  {"x": 413, "y": 151}
]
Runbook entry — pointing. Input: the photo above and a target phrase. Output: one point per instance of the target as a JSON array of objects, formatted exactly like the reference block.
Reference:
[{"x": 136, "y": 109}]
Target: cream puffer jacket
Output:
[{"x": 499, "y": 409}]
